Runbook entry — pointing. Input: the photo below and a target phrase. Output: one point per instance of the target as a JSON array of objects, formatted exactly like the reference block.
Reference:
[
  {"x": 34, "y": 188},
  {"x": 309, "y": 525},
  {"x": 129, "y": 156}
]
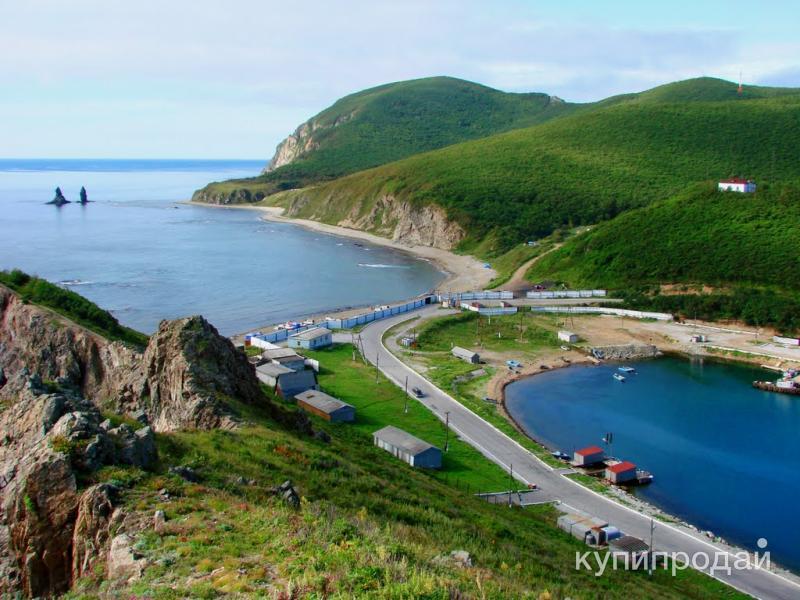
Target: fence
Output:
[
  {"x": 369, "y": 317},
  {"x": 622, "y": 312},
  {"x": 566, "y": 294},
  {"x": 480, "y": 295}
]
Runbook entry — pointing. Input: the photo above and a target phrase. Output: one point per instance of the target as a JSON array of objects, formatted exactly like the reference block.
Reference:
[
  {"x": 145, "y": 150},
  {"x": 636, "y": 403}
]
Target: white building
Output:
[
  {"x": 567, "y": 336},
  {"x": 311, "y": 339},
  {"x": 737, "y": 184}
]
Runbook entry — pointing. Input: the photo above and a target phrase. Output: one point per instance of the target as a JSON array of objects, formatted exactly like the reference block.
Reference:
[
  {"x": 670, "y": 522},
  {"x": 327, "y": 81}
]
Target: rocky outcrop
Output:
[
  {"x": 303, "y": 141},
  {"x": 52, "y": 532},
  {"x": 625, "y": 352},
  {"x": 223, "y": 196},
  {"x": 399, "y": 220},
  {"x": 59, "y": 199},
  {"x": 56, "y": 378},
  {"x": 182, "y": 380},
  {"x": 185, "y": 376},
  {"x": 35, "y": 340}
]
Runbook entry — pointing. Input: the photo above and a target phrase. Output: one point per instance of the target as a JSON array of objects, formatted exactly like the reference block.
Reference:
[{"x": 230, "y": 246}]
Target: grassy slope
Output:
[
  {"x": 700, "y": 236},
  {"x": 744, "y": 245},
  {"x": 368, "y": 526},
  {"x": 588, "y": 166},
  {"x": 73, "y": 306},
  {"x": 396, "y": 120}
]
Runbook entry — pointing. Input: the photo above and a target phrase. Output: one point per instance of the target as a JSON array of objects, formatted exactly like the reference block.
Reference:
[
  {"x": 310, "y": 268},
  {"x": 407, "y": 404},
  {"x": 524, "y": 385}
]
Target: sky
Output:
[{"x": 230, "y": 79}]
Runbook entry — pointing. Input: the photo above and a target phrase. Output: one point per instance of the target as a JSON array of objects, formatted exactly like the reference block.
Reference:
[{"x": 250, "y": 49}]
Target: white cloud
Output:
[{"x": 215, "y": 78}]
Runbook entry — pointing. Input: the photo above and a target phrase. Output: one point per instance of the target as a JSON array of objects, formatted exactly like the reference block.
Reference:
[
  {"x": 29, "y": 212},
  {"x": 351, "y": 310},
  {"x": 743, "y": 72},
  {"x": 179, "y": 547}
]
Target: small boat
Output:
[
  {"x": 619, "y": 377},
  {"x": 626, "y": 369}
]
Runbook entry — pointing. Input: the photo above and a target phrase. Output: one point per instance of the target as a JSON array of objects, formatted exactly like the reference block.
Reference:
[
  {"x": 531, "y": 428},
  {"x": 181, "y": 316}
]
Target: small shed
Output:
[
  {"x": 622, "y": 472},
  {"x": 630, "y": 547},
  {"x": 325, "y": 406},
  {"x": 588, "y": 456},
  {"x": 286, "y": 357},
  {"x": 408, "y": 448},
  {"x": 286, "y": 382},
  {"x": 311, "y": 339},
  {"x": 466, "y": 355},
  {"x": 586, "y": 528},
  {"x": 568, "y": 336}
]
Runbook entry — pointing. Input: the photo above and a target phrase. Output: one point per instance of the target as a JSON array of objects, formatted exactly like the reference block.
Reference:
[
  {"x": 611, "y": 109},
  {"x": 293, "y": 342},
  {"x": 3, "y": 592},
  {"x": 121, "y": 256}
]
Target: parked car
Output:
[{"x": 417, "y": 392}]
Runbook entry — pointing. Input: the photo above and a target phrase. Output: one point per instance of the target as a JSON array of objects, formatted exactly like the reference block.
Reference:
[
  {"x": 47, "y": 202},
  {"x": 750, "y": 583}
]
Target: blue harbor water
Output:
[
  {"x": 725, "y": 456},
  {"x": 137, "y": 251}
]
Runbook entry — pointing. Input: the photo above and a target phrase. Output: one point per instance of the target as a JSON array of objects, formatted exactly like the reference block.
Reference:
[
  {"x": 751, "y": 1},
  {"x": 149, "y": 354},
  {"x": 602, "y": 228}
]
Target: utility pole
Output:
[
  {"x": 447, "y": 430},
  {"x": 405, "y": 403},
  {"x": 650, "y": 558},
  {"x": 511, "y": 479},
  {"x": 377, "y": 364}
]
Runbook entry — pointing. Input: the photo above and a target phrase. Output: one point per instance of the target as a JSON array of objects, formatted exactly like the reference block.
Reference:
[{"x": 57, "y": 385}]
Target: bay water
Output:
[
  {"x": 139, "y": 251},
  {"x": 725, "y": 456}
]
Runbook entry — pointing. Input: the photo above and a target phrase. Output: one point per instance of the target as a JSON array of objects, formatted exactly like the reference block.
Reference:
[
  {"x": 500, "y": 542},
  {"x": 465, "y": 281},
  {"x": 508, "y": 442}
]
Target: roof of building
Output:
[
  {"x": 628, "y": 543},
  {"x": 589, "y": 450},
  {"x": 402, "y": 439},
  {"x": 274, "y": 353},
  {"x": 737, "y": 180},
  {"x": 287, "y": 359},
  {"x": 621, "y": 467},
  {"x": 459, "y": 351},
  {"x": 312, "y": 334},
  {"x": 565, "y": 332},
  {"x": 273, "y": 370},
  {"x": 321, "y": 401}
]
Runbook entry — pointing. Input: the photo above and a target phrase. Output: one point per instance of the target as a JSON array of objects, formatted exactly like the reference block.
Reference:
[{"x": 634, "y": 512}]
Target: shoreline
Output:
[
  {"x": 620, "y": 493},
  {"x": 462, "y": 272}
]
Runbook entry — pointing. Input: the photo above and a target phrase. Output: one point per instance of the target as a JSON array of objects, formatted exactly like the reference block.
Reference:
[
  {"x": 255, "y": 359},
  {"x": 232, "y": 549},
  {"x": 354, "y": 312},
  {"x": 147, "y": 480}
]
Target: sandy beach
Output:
[{"x": 463, "y": 272}]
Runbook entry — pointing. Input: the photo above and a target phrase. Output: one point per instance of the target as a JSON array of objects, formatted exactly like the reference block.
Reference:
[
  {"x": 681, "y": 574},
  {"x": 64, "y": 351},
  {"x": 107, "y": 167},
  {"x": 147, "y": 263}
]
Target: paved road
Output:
[{"x": 504, "y": 451}]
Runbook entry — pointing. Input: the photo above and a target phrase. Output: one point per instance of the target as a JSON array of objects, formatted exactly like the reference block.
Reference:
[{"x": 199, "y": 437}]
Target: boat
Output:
[
  {"x": 643, "y": 477},
  {"x": 626, "y": 369},
  {"x": 618, "y": 377}
]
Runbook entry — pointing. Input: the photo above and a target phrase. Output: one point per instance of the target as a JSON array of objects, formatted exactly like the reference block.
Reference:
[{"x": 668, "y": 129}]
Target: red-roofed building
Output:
[
  {"x": 621, "y": 472},
  {"x": 737, "y": 184},
  {"x": 588, "y": 456}
]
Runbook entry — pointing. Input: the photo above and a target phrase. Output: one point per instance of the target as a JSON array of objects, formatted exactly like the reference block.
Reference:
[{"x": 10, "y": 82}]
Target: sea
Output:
[
  {"x": 725, "y": 456},
  {"x": 140, "y": 251}
]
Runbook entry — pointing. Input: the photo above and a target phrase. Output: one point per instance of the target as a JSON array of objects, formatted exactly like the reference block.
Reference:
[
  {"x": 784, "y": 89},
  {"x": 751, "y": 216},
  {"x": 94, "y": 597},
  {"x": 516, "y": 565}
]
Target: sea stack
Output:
[
  {"x": 84, "y": 196},
  {"x": 59, "y": 199}
]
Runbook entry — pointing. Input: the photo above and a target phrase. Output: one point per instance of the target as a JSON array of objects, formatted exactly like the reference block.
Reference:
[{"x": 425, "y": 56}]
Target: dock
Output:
[{"x": 768, "y": 386}]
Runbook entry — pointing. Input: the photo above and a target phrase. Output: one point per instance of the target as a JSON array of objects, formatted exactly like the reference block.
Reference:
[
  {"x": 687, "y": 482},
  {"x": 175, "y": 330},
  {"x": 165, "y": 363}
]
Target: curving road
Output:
[{"x": 504, "y": 451}]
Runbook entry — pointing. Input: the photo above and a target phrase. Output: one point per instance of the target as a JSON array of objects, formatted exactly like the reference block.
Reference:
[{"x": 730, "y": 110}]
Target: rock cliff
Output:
[
  {"x": 303, "y": 141},
  {"x": 58, "y": 382},
  {"x": 182, "y": 380},
  {"x": 386, "y": 216}
]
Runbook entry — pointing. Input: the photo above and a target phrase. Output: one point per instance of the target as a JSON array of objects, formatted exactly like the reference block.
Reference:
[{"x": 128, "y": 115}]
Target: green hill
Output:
[
  {"x": 745, "y": 247},
  {"x": 586, "y": 167},
  {"x": 701, "y": 236},
  {"x": 73, "y": 306},
  {"x": 390, "y": 122}
]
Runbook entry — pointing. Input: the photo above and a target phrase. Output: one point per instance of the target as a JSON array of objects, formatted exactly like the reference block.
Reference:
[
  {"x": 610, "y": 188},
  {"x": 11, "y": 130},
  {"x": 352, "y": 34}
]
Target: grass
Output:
[
  {"x": 382, "y": 403},
  {"x": 71, "y": 305},
  {"x": 583, "y": 168},
  {"x": 367, "y": 526},
  {"x": 523, "y": 332},
  {"x": 437, "y": 336},
  {"x": 743, "y": 245}
]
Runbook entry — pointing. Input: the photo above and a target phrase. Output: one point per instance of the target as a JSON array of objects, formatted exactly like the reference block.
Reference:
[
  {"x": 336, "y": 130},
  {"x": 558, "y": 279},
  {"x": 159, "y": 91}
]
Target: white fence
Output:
[
  {"x": 490, "y": 311},
  {"x": 369, "y": 317},
  {"x": 480, "y": 295},
  {"x": 622, "y": 312},
  {"x": 550, "y": 294},
  {"x": 263, "y": 340},
  {"x": 785, "y": 340}
]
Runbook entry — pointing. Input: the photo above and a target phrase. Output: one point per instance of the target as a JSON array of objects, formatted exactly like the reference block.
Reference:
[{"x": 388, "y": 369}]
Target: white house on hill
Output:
[{"x": 736, "y": 184}]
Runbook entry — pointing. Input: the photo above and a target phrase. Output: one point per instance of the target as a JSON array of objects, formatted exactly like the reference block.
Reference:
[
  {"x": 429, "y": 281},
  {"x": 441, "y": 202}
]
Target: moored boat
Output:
[{"x": 619, "y": 377}]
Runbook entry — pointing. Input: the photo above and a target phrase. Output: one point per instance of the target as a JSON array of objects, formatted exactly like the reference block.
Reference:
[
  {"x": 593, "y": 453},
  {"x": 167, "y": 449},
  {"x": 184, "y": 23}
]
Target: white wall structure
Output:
[{"x": 743, "y": 186}]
